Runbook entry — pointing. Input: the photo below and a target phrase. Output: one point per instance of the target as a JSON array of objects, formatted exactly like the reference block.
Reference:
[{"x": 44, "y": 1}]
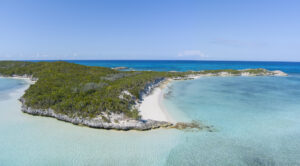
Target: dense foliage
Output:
[{"x": 77, "y": 90}]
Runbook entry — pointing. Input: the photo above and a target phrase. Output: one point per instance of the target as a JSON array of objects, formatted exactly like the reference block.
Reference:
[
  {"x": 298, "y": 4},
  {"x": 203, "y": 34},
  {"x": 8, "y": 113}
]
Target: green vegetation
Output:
[
  {"x": 85, "y": 91},
  {"x": 218, "y": 71},
  {"x": 77, "y": 90}
]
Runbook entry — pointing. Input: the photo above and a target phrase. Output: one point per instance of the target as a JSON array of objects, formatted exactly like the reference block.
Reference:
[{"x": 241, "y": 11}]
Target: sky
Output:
[{"x": 255, "y": 30}]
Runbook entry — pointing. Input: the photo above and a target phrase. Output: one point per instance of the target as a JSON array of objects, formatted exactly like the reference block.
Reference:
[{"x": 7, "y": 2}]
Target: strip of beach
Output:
[{"x": 152, "y": 106}]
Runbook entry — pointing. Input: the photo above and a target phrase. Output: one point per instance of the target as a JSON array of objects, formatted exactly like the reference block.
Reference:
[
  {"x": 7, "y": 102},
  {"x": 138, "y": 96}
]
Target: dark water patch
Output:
[
  {"x": 193, "y": 126},
  {"x": 259, "y": 161},
  {"x": 169, "y": 93}
]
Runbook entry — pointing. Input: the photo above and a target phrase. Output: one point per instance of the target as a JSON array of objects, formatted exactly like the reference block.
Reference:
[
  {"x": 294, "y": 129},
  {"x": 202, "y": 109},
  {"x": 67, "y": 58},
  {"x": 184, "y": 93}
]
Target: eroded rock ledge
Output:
[{"x": 117, "y": 121}]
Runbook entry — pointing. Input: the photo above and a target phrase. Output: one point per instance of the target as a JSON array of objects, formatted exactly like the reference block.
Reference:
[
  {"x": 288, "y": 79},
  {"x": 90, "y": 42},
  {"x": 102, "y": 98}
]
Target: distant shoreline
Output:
[{"x": 74, "y": 60}]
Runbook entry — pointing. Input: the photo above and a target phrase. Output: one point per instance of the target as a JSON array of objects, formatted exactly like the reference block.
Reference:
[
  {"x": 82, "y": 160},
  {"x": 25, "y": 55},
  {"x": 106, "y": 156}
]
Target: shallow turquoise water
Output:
[
  {"x": 8, "y": 85},
  {"x": 31, "y": 140},
  {"x": 256, "y": 118}
]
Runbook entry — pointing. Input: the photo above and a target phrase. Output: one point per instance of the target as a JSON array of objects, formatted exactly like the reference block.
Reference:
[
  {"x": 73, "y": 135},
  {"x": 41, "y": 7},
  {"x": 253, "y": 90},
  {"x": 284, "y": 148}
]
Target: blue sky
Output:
[{"x": 150, "y": 29}]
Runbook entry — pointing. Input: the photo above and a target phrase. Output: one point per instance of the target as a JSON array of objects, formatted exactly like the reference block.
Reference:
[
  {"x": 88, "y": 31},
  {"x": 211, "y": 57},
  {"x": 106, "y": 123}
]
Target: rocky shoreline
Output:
[{"x": 118, "y": 121}]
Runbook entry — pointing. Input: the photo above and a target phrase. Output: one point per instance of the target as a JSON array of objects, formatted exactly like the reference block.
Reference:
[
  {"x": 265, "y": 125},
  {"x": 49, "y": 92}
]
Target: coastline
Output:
[
  {"x": 152, "y": 106},
  {"x": 152, "y": 112},
  {"x": 117, "y": 121}
]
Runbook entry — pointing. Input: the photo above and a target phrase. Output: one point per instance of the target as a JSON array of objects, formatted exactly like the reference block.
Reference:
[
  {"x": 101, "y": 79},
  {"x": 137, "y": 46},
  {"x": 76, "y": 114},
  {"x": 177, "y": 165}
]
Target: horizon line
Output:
[{"x": 153, "y": 60}]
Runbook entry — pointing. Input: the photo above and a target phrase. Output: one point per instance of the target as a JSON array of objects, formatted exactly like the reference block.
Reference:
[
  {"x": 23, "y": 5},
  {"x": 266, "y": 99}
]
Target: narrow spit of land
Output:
[{"x": 104, "y": 98}]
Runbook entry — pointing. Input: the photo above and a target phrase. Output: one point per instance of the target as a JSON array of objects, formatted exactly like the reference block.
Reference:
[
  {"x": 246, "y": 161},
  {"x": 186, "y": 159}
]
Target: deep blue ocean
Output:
[
  {"x": 174, "y": 65},
  {"x": 256, "y": 122}
]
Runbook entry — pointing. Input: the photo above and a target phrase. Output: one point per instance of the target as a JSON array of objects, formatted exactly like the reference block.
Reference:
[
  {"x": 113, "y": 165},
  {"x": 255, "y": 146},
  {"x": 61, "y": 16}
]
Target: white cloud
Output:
[{"x": 195, "y": 54}]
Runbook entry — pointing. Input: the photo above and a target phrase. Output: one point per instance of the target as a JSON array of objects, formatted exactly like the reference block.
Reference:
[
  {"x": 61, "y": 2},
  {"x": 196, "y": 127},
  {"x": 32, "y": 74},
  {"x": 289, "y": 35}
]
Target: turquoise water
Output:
[{"x": 256, "y": 121}]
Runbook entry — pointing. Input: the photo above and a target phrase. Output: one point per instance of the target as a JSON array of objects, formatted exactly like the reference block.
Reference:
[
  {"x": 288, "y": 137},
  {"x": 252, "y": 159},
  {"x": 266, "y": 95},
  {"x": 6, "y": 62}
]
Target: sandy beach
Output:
[{"x": 152, "y": 108}]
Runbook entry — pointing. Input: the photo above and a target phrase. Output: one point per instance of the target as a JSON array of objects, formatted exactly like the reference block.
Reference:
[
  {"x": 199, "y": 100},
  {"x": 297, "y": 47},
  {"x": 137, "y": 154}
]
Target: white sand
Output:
[{"x": 152, "y": 108}]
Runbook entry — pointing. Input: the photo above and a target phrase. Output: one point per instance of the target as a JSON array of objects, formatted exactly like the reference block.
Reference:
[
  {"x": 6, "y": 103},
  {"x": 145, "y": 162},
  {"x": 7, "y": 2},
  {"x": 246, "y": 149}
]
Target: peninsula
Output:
[{"x": 99, "y": 97}]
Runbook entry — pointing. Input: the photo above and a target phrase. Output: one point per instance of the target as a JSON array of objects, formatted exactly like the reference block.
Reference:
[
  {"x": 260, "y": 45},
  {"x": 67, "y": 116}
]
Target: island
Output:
[{"x": 100, "y": 97}]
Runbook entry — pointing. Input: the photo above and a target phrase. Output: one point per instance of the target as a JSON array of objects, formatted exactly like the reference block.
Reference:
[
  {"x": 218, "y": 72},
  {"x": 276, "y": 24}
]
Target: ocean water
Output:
[
  {"x": 256, "y": 121},
  {"x": 175, "y": 65}
]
